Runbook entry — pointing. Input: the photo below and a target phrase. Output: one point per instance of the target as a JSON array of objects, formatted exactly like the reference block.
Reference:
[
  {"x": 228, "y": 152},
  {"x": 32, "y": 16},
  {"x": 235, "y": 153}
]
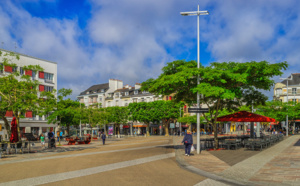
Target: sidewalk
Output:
[{"x": 276, "y": 165}]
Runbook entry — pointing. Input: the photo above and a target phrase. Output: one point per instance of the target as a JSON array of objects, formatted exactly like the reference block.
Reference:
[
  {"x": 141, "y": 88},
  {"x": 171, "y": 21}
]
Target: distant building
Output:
[
  {"x": 48, "y": 81},
  {"x": 114, "y": 93},
  {"x": 280, "y": 89}
]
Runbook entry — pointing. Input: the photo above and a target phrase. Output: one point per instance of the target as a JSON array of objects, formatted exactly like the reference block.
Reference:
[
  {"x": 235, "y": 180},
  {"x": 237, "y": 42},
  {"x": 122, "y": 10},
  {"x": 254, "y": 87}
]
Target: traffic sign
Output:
[{"x": 198, "y": 110}]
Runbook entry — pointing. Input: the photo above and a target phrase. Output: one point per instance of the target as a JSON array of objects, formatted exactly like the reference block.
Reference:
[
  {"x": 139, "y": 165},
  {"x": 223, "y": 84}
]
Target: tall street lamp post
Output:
[
  {"x": 287, "y": 101},
  {"x": 197, "y": 13}
]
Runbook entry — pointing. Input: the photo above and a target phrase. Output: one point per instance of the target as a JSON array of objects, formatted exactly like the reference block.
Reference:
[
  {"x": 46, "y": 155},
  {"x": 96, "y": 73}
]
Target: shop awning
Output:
[
  {"x": 140, "y": 125},
  {"x": 244, "y": 116}
]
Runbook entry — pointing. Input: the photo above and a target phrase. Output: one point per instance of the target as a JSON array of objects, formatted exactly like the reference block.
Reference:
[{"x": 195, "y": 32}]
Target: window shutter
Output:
[
  {"x": 9, "y": 114},
  {"x": 170, "y": 97},
  {"x": 28, "y": 114},
  {"x": 41, "y": 75},
  {"x": 8, "y": 69},
  {"x": 28, "y": 72},
  {"x": 184, "y": 108},
  {"x": 41, "y": 88}
]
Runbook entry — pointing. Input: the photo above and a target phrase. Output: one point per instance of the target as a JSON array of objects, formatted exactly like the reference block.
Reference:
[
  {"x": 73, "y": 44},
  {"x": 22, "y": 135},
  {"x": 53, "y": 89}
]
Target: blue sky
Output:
[{"x": 94, "y": 40}]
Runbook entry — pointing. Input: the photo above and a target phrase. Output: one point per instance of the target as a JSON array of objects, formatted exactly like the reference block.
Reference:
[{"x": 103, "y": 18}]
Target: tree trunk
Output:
[
  {"x": 68, "y": 129},
  {"x": 167, "y": 128},
  {"x": 147, "y": 129},
  {"x": 6, "y": 124},
  {"x": 216, "y": 135},
  {"x": 18, "y": 127}
]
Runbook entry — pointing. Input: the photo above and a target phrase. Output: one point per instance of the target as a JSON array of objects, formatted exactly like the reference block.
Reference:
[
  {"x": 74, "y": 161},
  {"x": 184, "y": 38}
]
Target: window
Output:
[
  {"x": 142, "y": 100},
  {"x": 48, "y": 89},
  {"x": 48, "y": 77},
  {"x": 278, "y": 91},
  {"x": 117, "y": 103},
  {"x": 15, "y": 69},
  {"x": 22, "y": 71},
  {"x": 126, "y": 93},
  {"x": 33, "y": 75},
  {"x": 294, "y": 100},
  {"x": 102, "y": 90},
  {"x": 100, "y": 99},
  {"x": 294, "y": 90},
  {"x": 136, "y": 92}
]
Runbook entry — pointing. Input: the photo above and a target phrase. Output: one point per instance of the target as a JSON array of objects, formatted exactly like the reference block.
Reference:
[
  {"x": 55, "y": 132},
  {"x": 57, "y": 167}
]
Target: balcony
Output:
[{"x": 48, "y": 81}]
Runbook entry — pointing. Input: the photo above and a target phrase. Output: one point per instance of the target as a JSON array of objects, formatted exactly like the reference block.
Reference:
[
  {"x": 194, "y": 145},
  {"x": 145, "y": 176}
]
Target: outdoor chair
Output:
[
  {"x": 230, "y": 143},
  {"x": 19, "y": 146},
  {"x": 4, "y": 149},
  {"x": 258, "y": 144},
  {"x": 248, "y": 143},
  {"x": 267, "y": 141}
]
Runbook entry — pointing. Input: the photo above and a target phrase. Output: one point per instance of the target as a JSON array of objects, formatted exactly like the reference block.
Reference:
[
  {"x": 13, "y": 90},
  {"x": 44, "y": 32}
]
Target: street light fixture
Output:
[
  {"x": 287, "y": 101},
  {"x": 197, "y": 13}
]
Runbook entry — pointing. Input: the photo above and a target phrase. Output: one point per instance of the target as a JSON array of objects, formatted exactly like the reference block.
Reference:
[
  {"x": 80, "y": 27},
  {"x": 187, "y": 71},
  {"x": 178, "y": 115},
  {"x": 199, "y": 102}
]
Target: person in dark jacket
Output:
[
  {"x": 103, "y": 138},
  {"x": 188, "y": 142}
]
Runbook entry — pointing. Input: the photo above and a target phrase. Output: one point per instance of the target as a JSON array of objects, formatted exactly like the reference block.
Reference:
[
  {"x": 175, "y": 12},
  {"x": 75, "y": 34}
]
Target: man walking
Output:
[{"x": 103, "y": 138}]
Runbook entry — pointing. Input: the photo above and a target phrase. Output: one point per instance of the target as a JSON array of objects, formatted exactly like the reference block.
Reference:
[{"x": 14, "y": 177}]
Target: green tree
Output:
[
  {"x": 144, "y": 112},
  {"x": 226, "y": 85},
  {"x": 117, "y": 115},
  {"x": 167, "y": 112},
  {"x": 19, "y": 93},
  {"x": 67, "y": 111}
]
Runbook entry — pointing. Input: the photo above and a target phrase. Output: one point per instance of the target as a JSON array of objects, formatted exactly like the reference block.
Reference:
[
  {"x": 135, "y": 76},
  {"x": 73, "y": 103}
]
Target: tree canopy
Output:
[{"x": 225, "y": 85}]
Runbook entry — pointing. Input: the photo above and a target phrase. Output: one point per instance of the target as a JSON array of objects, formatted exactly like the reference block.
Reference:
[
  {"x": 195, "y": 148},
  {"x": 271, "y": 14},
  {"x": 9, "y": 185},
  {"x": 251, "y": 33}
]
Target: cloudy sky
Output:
[{"x": 131, "y": 40}]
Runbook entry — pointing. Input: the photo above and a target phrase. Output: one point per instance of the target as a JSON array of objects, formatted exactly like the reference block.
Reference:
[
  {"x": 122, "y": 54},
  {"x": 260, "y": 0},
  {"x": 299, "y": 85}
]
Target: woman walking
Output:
[{"x": 188, "y": 142}]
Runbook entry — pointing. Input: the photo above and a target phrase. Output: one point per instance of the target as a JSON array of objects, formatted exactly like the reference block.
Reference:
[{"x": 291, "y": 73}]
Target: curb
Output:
[{"x": 183, "y": 164}]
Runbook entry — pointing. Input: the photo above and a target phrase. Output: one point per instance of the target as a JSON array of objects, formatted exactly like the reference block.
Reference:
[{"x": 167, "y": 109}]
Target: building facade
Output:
[
  {"x": 32, "y": 123},
  {"x": 114, "y": 93},
  {"x": 281, "y": 92}
]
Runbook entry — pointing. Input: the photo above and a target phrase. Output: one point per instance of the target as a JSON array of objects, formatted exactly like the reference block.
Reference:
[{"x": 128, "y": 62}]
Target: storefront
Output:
[{"x": 139, "y": 129}]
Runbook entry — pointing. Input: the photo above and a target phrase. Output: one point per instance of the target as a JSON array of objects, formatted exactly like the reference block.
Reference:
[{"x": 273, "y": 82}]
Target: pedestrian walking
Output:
[
  {"x": 61, "y": 135},
  {"x": 103, "y": 138},
  {"x": 188, "y": 142},
  {"x": 42, "y": 138}
]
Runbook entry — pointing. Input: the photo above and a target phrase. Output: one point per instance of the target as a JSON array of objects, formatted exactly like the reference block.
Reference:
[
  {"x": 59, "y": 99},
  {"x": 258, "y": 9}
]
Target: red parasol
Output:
[
  {"x": 14, "y": 132},
  {"x": 244, "y": 116}
]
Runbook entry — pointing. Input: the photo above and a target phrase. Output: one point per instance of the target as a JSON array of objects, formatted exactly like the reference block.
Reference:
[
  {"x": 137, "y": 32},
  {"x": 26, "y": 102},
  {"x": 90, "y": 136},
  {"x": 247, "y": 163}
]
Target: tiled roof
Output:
[
  {"x": 294, "y": 81},
  {"x": 96, "y": 88}
]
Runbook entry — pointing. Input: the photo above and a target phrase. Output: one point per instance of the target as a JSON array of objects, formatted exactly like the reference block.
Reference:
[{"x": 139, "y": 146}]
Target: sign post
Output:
[{"x": 198, "y": 111}]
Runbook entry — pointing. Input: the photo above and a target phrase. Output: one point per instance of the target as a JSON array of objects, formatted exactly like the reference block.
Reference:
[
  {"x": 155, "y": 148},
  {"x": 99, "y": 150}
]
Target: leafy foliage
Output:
[{"x": 226, "y": 85}]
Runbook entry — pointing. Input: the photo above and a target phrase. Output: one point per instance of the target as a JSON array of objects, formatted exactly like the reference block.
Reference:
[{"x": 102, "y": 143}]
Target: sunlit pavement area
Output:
[
  {"x": 127, "y": 161},
  {"x": 276, "y": 165},
  {"x": 155, "y": 160}
]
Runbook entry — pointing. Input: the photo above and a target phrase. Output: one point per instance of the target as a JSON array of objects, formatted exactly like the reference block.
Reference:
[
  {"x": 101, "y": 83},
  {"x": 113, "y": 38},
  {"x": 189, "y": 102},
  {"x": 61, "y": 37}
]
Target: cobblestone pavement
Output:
[
  {"x": 276, "y": 165},
  {"x": 130, "y": 161}
]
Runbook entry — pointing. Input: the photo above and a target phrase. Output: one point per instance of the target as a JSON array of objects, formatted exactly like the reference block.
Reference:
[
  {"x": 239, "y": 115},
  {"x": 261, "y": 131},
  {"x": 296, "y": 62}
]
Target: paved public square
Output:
[{"x": 155, "y": 160}]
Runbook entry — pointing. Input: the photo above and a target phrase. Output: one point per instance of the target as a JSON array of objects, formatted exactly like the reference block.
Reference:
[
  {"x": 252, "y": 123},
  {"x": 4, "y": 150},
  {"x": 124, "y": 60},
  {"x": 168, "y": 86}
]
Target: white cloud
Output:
[{"x": 132, "y": 40}]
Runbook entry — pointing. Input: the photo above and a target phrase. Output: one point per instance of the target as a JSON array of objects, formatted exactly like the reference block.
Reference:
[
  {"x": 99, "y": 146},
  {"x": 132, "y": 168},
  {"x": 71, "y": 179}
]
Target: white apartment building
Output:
[
  {"x": 114, "y": 93},
  {"x": 293, "y": 92},
  {"x": 48, "y": 81}
]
